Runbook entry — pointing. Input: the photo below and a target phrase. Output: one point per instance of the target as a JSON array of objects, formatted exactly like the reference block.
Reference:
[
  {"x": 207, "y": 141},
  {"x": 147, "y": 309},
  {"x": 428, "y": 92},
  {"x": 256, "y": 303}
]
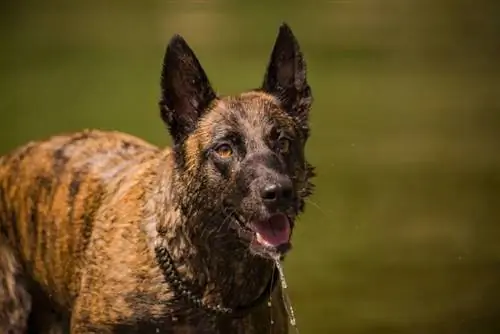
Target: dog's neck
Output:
[{"x": 217, "y": 267}]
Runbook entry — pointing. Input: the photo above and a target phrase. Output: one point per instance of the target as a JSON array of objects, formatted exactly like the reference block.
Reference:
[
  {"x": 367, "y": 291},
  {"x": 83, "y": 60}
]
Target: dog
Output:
[{"x": 102, "y": 232}]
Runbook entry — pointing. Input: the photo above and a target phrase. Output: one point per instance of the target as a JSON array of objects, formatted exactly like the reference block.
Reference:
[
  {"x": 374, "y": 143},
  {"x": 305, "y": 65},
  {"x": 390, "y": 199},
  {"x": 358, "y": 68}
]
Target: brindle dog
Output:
[{"x": 101, "y": 232}]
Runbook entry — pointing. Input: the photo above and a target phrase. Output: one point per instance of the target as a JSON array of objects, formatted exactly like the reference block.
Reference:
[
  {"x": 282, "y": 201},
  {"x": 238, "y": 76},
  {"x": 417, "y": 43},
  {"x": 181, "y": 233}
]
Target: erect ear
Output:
[
  {"x": 185, "y": 89},
  {"x": 286, "y": 77}
]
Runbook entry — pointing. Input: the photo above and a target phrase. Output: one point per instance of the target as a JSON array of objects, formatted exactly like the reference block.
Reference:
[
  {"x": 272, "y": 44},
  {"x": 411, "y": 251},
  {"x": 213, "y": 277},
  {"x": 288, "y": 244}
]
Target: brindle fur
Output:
[{"x": 80, "y": 213}]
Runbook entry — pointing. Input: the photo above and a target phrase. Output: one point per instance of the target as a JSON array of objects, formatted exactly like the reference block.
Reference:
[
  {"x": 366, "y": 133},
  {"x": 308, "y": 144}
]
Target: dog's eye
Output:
[
  {"x": 284, "y": 145},
  {"x": 224, "y": 151}
]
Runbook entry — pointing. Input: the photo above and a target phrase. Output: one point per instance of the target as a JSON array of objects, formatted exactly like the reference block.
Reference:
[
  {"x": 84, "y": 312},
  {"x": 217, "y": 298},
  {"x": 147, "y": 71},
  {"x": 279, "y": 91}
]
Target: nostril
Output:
[{"x": 270, "y": 192}]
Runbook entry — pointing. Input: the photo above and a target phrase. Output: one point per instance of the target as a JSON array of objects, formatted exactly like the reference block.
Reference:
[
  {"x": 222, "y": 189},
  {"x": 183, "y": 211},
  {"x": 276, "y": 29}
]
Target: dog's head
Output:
[{"x": 241, "y": 158}]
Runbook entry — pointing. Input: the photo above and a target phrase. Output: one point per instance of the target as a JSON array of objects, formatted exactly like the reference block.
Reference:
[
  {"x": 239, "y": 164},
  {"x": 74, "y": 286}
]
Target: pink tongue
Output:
[{"x": 273, "y": 232}]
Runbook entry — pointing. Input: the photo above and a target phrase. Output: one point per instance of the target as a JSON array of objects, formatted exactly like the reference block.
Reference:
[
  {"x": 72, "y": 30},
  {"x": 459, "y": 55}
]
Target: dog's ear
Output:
[
  {"x": 185, "y": 89},
  {"x": 286, "y": 76}
]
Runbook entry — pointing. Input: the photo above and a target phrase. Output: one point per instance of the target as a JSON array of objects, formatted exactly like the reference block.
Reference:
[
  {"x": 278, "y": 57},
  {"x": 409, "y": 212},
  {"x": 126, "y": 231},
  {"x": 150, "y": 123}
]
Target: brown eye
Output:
[
  {"x": 224, "y": 151},
  {"x": 284, "y": 145}
]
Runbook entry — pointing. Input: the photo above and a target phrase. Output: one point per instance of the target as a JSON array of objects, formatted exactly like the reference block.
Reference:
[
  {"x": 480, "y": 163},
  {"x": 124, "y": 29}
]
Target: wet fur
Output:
[{"x": 80, "y": 213}]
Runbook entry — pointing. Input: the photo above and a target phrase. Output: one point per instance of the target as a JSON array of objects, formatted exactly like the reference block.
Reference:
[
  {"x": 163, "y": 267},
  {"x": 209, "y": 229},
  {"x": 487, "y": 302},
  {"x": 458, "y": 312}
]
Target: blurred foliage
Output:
[{"x": 402, "y": 233}]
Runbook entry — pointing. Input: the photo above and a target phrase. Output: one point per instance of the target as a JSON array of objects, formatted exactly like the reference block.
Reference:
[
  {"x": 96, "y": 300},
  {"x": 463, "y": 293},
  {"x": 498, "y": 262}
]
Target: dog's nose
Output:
[{"x": 277, "y": 193}]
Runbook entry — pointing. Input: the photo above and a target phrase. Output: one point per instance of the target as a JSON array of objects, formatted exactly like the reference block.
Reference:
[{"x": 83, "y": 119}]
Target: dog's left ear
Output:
[
  {"x": 286, "y": 77},
  {"x": 185, "y": 89}
]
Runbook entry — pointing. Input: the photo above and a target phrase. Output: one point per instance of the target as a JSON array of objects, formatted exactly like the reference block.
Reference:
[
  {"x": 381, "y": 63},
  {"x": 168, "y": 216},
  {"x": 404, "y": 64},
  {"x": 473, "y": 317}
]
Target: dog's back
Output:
[{"x": 49, "y": 194}]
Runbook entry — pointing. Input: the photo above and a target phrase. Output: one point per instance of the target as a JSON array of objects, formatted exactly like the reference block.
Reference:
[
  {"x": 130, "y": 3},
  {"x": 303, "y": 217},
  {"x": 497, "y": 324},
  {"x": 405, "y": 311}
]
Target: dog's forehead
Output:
[{"x": 249, "y": 112}]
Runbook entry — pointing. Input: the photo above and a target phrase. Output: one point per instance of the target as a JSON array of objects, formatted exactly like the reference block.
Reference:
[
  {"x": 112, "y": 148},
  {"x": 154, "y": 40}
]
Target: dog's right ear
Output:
[{"x": 185, "y": 89}]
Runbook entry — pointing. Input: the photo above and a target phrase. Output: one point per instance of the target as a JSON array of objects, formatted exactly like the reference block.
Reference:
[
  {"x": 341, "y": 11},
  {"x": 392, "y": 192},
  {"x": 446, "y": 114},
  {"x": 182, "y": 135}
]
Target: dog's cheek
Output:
[
  {"x": 223, "y": 169},
  {"x": 239, "y": 187},
  {"x": 294, "y": 165},
  {"x": 219, "y": 179}
]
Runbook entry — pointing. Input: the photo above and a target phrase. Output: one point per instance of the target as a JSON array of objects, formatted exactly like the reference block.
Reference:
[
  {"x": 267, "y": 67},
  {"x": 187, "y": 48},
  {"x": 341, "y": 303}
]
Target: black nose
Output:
[{"x": 277, "y": 193}]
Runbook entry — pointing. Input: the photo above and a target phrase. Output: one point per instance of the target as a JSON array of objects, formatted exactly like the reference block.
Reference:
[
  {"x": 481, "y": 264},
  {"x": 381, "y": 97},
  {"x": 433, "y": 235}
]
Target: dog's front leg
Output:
[
  {"x": 93, "y": 310},
  {"x": 85, "y": 320}
]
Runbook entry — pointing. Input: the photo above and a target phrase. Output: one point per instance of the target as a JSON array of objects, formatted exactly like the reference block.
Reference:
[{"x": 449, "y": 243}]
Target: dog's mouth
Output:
[
  {"x": 272, "y": 232},
  {"x": 269, "y": 235}
]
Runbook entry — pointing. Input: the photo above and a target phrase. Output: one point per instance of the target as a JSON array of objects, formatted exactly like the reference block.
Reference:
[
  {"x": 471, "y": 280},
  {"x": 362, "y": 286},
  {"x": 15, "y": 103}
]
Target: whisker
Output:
[
  {"x": 319, "y": 208},
  {"x": 224, "y": 221}
]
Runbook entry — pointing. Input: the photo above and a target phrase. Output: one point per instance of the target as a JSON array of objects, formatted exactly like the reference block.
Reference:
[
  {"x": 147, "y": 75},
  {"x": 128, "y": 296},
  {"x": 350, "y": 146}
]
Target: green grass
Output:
[{"x": 400, "y": 236}]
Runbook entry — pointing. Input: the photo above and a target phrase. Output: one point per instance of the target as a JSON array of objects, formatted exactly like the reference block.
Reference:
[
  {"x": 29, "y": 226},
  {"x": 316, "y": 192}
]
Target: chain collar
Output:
[{"x": 172, "y": 277}]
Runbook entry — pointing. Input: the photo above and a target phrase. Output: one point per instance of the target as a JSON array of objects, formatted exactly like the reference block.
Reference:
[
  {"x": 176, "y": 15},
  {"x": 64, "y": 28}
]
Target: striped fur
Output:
[{"x": 80, "y": 214}]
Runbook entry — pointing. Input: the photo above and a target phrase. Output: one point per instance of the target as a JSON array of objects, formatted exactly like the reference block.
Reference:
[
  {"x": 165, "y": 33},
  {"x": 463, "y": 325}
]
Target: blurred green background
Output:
[{"x": 402, "y": 233}]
